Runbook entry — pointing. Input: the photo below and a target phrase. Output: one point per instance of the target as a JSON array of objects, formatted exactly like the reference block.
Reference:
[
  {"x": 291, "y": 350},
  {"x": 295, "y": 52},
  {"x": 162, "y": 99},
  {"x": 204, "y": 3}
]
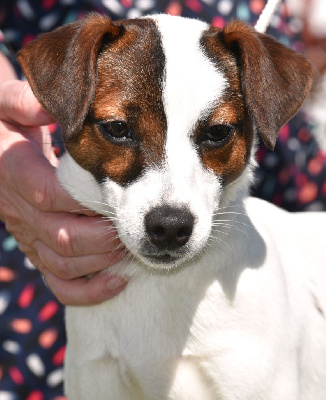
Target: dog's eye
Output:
[
  {"x": 115, "y": 130},
  {"x": 217, "y": 135}
]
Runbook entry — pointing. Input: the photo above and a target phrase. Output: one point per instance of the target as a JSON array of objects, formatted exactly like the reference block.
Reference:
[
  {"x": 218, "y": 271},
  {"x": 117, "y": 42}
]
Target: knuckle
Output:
[
  {"x": 44, "y": 196},
  {"x": 7, "y": 211},
  {"x": 33, "y": 259},
  {"x": 96, "y": 291},
  {"x": 20, "y": 231},
  {"x": 65, "y": 242},
  {"x": 61, "y": 268},
  {"x": 15, "y": 228}
]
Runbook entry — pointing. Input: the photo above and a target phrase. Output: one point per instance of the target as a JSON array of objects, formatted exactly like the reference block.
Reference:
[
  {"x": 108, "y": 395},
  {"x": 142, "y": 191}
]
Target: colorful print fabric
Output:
[{"x": 32, "y": 336}]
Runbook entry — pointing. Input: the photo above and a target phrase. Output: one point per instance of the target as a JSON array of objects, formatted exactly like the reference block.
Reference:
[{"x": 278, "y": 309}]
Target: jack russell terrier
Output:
[{"x": 227, "y": 294}]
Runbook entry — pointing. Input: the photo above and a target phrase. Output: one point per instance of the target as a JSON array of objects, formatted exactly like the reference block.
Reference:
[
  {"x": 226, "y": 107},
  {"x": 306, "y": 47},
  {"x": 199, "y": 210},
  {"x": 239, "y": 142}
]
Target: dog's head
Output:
[{"x": 159, "y": 117}]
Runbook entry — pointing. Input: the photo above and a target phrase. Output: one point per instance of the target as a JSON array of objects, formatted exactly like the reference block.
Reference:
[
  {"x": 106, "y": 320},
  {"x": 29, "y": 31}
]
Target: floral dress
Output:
[{"x": 32, "y": 334}]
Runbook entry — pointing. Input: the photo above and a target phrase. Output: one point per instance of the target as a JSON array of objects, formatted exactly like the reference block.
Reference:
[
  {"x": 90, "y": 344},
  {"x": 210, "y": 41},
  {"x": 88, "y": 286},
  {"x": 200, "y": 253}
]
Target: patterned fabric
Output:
[{"x": 32, "y": 336}]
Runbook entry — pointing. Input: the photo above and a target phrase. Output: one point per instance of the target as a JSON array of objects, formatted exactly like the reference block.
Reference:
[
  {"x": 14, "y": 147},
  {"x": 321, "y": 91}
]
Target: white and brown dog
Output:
[{"x": 227, "y": 294}]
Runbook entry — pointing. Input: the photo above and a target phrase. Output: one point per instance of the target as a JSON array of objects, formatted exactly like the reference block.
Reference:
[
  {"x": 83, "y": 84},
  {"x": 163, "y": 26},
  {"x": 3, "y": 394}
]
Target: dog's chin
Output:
[
  {"x": 163, "y": 261},
  {"x": 166, "y": 261}
]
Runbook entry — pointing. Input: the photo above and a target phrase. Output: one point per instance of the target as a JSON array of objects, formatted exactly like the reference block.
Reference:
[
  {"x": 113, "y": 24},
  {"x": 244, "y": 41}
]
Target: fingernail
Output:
[{"x": 115, "y": 283}]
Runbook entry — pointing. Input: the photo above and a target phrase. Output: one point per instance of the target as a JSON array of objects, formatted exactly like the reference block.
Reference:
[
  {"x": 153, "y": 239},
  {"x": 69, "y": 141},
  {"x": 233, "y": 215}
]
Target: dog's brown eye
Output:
[
  {"x": 217, "y": 135},
  {"x": 115, "y": 130}
]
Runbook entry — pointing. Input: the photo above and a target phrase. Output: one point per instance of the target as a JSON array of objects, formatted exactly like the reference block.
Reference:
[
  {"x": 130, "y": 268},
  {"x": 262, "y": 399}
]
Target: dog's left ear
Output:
[
  {"x": 61, "y": 68},
  {"x": 275, "y": 79}
]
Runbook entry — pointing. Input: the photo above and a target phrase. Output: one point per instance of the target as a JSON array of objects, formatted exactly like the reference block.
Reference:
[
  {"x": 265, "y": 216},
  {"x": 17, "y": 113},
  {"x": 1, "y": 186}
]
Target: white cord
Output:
[{"x": 266, "y": 15}]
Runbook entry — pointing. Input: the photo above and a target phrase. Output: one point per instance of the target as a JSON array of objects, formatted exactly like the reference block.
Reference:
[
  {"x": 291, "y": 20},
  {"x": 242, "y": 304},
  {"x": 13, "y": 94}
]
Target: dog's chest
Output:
[
  {"x": 156, "y": 317},
  {"x": 151, "y": 335},
  {"x": 164, "y": 332}
]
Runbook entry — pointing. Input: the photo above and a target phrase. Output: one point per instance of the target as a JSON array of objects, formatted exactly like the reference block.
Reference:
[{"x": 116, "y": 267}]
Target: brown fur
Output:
[
  {"x": 103, "y": 69},
  {"x": 96, "y": 70},
  {"x": 275, "y": 80}
]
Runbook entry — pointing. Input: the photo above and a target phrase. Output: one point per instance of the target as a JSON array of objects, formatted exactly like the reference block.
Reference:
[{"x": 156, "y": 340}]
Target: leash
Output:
[{"x": 266, "y": 15}]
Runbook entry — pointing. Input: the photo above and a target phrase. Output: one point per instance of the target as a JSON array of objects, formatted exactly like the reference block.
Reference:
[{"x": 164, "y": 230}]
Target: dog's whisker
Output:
[
  {"x": 217, "y": 222},
  {"x": 105, "y": 210},
  {"x": 230, "y": 206},
  {"x": 105, "y": 221},
  {"x": 85, "y": 209},
  {"x": 128, "y": 257},
  {"x": 215, "y": 238},
  {"x": 222, "y": 232},
  {"x": 80, "y": 210},
  {"x": 230, "y": 226},
  {"x": 99, "y": 202},
  {"x": 106, "y": 214},
  {"x": 109, "y": 232},
  {"x": 108, "y": 241},
  {"x": 119, "y": 246},
  {"x": 112, "y": 256},
  {"x": 113, "y": 216},
  {"x": 229, "y": 212}
]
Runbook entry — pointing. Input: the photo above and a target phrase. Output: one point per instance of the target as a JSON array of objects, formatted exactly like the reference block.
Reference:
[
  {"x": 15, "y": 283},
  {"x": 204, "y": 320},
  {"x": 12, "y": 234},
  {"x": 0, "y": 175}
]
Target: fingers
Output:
[
  {"x": 85, "y": 291},
  {"x": 82, "y": 290},
  {"x": 74, "y": 235},
  {"x": 67, "y": 234},
  {"x": 19, "y": 105},
  {"x": 33, "y": 177},
  {"x": 77, "y": 266},
  {"x": 65, "y": 246},
  {"x": 42, "y": 137}
]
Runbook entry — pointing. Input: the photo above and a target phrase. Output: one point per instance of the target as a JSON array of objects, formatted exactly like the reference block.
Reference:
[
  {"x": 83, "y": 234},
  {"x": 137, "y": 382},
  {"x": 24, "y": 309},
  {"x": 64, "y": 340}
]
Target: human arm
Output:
[{"x": 65, "y": 246}]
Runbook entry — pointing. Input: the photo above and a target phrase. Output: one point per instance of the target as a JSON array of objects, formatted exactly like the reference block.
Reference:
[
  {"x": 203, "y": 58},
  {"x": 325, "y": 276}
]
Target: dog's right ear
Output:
[
  {"x": 275, "y": 79},
  {"x": 61, "y": 68}
]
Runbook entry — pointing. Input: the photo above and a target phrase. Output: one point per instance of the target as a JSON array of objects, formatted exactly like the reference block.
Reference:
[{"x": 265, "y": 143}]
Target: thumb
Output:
[{"x": 19, "y": 106}]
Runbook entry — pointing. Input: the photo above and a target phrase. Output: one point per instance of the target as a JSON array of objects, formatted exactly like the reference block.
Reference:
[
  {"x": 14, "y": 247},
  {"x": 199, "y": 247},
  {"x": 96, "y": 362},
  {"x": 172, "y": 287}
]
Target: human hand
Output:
[{"x": 65, "y": 246}]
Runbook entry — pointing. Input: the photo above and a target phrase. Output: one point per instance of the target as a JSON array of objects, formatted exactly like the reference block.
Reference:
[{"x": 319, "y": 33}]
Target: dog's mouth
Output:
[{"x": 166, "y": 259}]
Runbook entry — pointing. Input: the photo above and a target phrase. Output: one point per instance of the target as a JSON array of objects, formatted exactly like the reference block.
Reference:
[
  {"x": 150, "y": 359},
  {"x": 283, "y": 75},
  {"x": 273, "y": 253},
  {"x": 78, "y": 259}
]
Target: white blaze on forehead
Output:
[
  {"x": 192, "y": 82},
  {"x": 192, "y": 85}
]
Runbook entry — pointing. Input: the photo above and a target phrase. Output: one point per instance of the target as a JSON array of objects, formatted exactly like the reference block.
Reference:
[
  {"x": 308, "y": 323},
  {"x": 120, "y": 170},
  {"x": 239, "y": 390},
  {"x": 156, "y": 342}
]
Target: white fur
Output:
[
  {"x": 243, "y": 317},
  {"x": 182, "y": 181},
  {"x": 83, "y": 186}
]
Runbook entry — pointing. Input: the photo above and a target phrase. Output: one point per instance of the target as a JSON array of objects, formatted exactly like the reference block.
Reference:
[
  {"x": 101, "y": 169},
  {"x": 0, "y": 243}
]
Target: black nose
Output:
[{"x": 169, "y": 228}]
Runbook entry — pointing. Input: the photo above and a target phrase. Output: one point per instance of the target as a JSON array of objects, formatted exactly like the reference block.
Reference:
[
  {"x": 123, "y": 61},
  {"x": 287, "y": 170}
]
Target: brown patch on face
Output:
[
  {"x": 102, "y": 159},
  {"x": 61, "y": 68},
  {"x": 274, "y": 79},
  {"x": 130, "y": 72},
  {"x": 268, "y": 83},
  {"x": 228, "y": 160}
]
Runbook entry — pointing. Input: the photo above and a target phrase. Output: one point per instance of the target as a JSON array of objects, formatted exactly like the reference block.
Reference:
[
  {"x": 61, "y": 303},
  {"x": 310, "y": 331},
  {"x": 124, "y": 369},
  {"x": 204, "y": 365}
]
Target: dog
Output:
[{"x": 227, "y": 294}]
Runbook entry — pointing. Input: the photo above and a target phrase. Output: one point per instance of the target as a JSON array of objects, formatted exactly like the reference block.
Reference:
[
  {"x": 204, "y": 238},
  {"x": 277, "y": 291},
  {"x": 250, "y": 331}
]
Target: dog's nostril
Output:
[
  {"x": 157, "y": 231},
  {"x": 169, "y": 228},
  {"x": 184, "y": 233}
]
